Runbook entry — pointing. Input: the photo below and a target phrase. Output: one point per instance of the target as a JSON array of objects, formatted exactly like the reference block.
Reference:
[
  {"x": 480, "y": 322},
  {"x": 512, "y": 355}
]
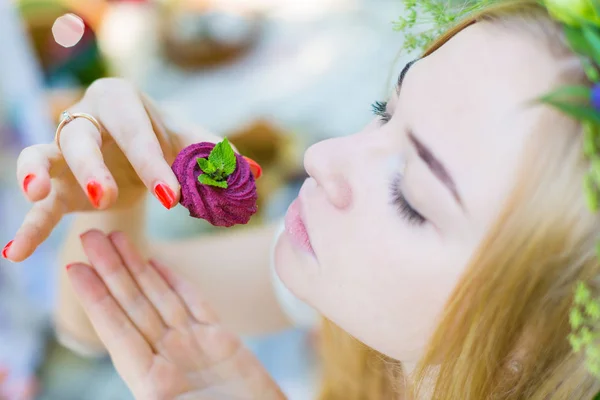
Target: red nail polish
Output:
[
  {"x": 254, "y": 167},
  {"x": 27, "y": 181},
  {"x": 5, "y": 250},
  {"x": 95, "y": 192},
  {"x": 165, "y": 195}
]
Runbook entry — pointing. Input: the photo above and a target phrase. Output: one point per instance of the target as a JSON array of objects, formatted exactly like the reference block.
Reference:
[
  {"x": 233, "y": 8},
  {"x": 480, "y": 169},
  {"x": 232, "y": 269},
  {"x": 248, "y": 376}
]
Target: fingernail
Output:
[
  {"x": 95, "y": 192},
  {"x": 5, "y": 250},
  {"x": 165, "y": 195},
  {"x": 254, "y": 167},
  {"x": 27, "y": 181},
  {"x": 69, "y": 266}
]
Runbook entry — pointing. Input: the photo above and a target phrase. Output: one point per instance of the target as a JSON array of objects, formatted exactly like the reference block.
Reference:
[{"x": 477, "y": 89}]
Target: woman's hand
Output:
[
  {"x": 97, "y": 170},
  {"x": 165, "y": 342}
]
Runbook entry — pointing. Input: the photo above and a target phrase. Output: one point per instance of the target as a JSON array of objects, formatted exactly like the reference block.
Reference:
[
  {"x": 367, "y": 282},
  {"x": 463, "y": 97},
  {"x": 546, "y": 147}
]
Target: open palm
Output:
[{"x": 165, "y": 342}]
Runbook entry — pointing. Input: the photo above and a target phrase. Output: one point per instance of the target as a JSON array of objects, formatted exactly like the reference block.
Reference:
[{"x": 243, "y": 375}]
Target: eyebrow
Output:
[
  {"x": 403, "y": 75},
  {"x": 436, "y": 167},
  {"x": 434, "y": 164}
]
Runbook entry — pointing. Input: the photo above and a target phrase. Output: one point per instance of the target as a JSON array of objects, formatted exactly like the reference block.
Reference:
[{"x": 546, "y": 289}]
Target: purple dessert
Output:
[{"x": 221, "y": 206}]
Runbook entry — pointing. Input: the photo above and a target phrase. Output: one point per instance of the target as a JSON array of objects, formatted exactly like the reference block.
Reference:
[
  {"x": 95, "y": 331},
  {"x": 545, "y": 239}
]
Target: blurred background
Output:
[{"x": 273, "y": 75}]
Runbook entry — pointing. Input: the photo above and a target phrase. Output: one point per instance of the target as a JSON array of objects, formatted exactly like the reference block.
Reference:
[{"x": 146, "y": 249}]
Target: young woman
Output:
[{"x": 446, "y": 237}]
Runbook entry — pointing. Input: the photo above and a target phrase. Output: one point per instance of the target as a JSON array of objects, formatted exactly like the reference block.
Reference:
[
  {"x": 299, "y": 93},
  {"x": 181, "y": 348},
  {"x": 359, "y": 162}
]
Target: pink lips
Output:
[{"x": 295, "y": 228}]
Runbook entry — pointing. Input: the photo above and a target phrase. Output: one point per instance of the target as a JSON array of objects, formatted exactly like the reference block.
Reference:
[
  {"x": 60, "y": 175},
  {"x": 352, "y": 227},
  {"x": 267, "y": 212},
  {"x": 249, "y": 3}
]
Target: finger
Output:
[
  {"x": 168, "y": 304},
  {"x": 3, "y": 374},
  {"x": 212, "y": 344},
  {"x": 255, "y": 167},
  {"x": 131, "y": 128},
  {"x": 22, "y": 389},
  {"x": 37, "y": 226},
  {"x": 129, "y": 350},
  {"x": 80, "y": 143},
  {"x": 197, "y": 306},
  {"x": 33, "y": 170},
  {"x": 107, "y": 262}
]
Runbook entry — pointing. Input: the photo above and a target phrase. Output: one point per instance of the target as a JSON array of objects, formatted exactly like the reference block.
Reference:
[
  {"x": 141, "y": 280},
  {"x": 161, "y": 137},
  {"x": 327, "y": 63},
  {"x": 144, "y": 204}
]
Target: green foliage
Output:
[
  {"x": 591, "y": 35},
  {"x": 591, "y": 139},
  {"x": 425, "y": 20},
  {"x": 583, "y": 318}
]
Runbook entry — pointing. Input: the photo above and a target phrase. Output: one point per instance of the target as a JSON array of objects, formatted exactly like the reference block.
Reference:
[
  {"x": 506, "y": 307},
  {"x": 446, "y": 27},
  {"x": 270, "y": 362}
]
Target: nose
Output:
[{"x": 328, "y": 163}]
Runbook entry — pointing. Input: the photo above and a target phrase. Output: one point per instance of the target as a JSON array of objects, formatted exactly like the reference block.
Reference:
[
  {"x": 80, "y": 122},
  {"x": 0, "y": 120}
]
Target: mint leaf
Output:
[
  {"x": 223, "y": 158},
  {"x": 206, "y": 166},
  {"x": 207, "y": 180}
]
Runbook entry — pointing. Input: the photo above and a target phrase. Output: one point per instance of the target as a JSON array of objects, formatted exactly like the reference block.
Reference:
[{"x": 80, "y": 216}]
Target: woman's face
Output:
[{"x": 390, "y": 216}]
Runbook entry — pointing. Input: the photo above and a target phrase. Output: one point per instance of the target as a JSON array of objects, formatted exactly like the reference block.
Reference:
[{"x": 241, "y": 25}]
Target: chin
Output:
[{"x": 290, "y": 266}]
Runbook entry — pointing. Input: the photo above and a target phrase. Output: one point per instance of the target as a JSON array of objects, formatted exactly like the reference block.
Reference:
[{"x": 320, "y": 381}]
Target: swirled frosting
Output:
[{"x": 221, "y": 207}]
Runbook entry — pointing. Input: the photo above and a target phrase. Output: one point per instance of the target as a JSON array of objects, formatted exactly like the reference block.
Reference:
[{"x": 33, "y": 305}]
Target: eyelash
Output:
[
  {"x": 406, "y": 210},
  {"x": 380, "y": 109}
]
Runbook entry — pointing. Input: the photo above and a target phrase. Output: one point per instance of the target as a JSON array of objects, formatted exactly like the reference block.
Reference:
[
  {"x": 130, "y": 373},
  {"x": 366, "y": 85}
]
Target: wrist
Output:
[
  {"x": 82, "y": 342},
  {"x": 130, "y": 219}
]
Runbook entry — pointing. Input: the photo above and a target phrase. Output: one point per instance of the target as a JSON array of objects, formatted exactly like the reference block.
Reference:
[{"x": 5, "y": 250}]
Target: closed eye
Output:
[{"x": 406, "y": 210}]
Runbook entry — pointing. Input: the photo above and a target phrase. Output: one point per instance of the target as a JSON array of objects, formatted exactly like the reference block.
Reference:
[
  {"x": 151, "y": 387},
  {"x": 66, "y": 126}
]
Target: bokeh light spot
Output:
[{"x": 68, "y": 30}]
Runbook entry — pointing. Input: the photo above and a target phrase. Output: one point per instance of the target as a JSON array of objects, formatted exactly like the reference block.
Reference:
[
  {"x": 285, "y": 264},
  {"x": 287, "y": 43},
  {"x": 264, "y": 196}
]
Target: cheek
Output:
[{"x": 386, "y": 282}]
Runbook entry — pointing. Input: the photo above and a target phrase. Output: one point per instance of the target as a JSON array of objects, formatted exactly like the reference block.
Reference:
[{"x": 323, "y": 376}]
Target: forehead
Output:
[
  {"x": 507, "y": 64},
  {"x": 470, "y": 102}
]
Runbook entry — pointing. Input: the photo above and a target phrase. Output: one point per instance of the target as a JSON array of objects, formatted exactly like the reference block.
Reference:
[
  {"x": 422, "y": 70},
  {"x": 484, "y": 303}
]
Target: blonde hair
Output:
[{"x": 503, "y": 333}]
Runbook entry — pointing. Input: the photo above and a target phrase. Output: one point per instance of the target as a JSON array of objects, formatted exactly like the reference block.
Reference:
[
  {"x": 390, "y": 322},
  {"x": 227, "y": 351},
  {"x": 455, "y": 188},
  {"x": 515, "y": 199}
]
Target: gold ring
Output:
[{"x": 67, "y": 117}]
